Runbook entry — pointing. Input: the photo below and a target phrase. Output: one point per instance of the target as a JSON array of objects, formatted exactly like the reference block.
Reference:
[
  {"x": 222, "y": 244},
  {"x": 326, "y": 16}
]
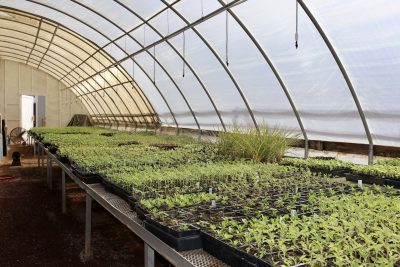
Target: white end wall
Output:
[{"x": 18, "y": 79}]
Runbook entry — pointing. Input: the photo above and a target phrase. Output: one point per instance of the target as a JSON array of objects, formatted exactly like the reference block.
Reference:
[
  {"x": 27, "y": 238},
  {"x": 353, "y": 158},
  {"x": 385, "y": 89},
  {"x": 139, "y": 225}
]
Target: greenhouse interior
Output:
[{"x": 245, "y": 133}]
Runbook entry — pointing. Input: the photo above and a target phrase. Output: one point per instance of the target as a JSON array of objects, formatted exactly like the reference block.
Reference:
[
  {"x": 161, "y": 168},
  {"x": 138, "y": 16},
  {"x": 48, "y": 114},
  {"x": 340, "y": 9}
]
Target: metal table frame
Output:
[{"x": 122, "y": 211}]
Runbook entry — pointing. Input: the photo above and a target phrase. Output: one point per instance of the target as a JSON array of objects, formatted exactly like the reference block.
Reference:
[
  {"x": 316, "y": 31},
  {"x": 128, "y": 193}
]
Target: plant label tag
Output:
[
  {"x": 198, "y": 185},
  {"x": 213, "y": 204},
  {"x": 296, "y": 189},
  {"x": 294, "y": 212},
  {"x": 359, "y": 183},
  {"x": 210, "y": 190}
]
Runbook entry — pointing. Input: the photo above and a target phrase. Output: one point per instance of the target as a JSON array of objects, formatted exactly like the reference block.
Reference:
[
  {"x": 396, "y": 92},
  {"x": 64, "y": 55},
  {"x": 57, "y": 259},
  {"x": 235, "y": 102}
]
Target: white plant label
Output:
[
  {"x": 360, "y": 183},
  {"x": 210, "y": 190},
  {"x": 198, "y": 185},
  {"x": 294, "y": 212},
  {"x": 213, "y": 204},
  {"x": 296, "y": 189}
]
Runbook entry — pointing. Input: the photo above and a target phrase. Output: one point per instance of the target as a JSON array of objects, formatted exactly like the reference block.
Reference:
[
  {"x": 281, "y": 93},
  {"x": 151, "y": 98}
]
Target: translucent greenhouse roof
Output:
[{"x": 209, "y": 64}]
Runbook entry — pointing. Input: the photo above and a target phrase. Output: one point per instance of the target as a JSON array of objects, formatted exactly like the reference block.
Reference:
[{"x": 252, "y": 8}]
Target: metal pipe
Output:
[{"x": 345, "y": 76}]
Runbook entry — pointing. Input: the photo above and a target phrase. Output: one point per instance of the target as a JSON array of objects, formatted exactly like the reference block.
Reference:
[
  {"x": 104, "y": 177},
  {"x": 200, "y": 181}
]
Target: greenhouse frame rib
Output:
[{"x": 179, "y": 107}]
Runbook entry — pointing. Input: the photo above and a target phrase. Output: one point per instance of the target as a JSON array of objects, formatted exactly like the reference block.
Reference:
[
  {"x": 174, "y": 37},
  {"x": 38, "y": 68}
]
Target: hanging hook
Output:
[
  {"x": 168, "y": 21},
  {"x": 202, "y": 9},
  {"x": 154, "y": 64},
  {"x": 296, "y": 36},
  {"x": 183, "y": 53},
  {"x": 133, "y": 67},
  {"x": 227, "y": 37}
]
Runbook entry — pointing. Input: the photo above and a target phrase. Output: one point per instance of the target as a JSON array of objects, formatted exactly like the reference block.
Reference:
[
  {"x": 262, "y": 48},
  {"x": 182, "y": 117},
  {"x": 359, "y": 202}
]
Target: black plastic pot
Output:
[{"x": 179, "y": 240}]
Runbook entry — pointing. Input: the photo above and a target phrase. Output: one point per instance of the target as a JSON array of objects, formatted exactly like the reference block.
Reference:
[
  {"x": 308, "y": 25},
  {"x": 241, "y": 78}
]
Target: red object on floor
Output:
[{"x": 7, "y": 177}]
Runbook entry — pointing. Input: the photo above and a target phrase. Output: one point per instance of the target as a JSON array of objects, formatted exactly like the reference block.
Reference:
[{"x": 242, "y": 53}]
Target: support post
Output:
[
  {"x": 306, "y": 149},
  {"x": 48, "y": 171},
  {"x": 42, "y": 156},
  {"x": 86, "y": 254},
  {"x": 148, "y": 256},
  {"x": 38, "y": 156},
  {"x": 63, "y": 195},
  {"x": 34, "y": 149},
  {"x": 50, "y": 166},
  {"x": 371, "y": 154}
]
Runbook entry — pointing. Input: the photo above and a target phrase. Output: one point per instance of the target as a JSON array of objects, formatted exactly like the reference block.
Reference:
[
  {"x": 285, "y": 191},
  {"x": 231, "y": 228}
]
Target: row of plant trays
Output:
[{"x": 355, "y": 177}]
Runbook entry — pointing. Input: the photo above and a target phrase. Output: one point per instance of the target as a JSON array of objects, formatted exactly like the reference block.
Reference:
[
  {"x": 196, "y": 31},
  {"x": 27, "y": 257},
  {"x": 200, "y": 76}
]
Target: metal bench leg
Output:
[
  {"x": 86, "y": 254},
  {"x": 38, "y": 156},
  {"x": 63, "y": 195},
  {"x": 50, "y": 166},
  {"x": 148, "y": 256}
]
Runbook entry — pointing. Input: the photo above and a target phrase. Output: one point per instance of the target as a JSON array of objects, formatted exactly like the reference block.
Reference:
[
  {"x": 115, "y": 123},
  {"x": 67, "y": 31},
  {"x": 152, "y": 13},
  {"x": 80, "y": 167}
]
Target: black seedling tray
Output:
[
  {"x": 63, "y": 159},
  {"x": 140, "y": 211},
  {"x": 367, "y": 179},
  {"x": 119, "y": 191},
  {"x": 232, "y": 256},
  {"x": 179, "y": 240},
  {"x": 340, "y": 173},
  {"x": 392, "y": 182},
  {"x": 87, "y": 178}
]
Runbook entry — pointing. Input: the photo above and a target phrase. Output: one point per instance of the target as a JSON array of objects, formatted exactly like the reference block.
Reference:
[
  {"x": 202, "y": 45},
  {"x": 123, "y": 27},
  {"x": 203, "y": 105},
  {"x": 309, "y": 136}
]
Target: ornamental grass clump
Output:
[{"x": 262, "y": 145}]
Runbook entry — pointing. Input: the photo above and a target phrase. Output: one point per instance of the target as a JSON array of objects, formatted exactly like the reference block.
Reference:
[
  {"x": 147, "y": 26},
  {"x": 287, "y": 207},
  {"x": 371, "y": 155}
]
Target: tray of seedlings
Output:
[
  {"x": 380, "y": 174},
  {"x": 246, "y": 213},
  {"x": 319, "y": 239},
  {"x": 323, "y": 165}
]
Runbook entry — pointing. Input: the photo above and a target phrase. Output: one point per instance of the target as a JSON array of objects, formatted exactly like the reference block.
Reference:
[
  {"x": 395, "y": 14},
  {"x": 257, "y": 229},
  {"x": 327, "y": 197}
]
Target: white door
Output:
[{"x": 27, "y": 111}]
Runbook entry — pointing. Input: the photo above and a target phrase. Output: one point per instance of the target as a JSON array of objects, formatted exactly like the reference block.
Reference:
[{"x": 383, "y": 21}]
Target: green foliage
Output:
[
  {"x": 322, "y": 164},
  {"x": 379, "y": 171},
  {"x": 263, "y": 145},
  {"x": 391, "y": 162},
  {"x": 351, "y": 230}
]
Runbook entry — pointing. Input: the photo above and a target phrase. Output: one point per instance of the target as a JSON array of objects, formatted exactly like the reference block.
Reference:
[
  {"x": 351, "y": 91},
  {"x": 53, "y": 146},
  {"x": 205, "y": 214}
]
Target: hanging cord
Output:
[
  {"x": 227, "y": 37},
  {"x": 202, "y": 9},
  {"x": 104, "y": 86},
  {"x": 144, "y": 35},
  {"x": 168, "y": 21},
  {"x": 183, "y": 54},
  {"x": 133, "y": 68},
  {"x": 154, "y": 65},
  {"x": 296, "y": 36}
]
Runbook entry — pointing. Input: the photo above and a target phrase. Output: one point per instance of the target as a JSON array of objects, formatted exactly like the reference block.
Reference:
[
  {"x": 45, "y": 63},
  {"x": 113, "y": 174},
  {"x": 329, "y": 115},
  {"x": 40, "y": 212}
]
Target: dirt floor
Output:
[{"x": 34, "y": 232}]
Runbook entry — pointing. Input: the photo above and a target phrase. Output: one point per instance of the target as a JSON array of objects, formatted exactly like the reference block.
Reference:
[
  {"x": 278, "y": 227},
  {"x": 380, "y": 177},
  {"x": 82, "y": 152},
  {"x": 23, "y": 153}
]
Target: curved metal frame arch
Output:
[
  {"x": 22, "y": 59},
  {"x": 180, "y": 55},
  {"x": 154, "y": 58},
  {"x": 95, "y": 45},
  {"x": 88, "y": 42},
  {"x": 53, "y": 51},
  {"x": 276, "y": 73},
  {"x": 25, "y": 33},
  {"x": 345, "y": 76},
  {"x": 236, "y": 84}
]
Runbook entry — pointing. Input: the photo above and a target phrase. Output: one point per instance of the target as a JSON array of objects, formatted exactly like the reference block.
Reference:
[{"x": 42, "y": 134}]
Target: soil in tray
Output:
[
  {"x": 165, "y": 146},
  {"x": 129, "y": 143}
]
